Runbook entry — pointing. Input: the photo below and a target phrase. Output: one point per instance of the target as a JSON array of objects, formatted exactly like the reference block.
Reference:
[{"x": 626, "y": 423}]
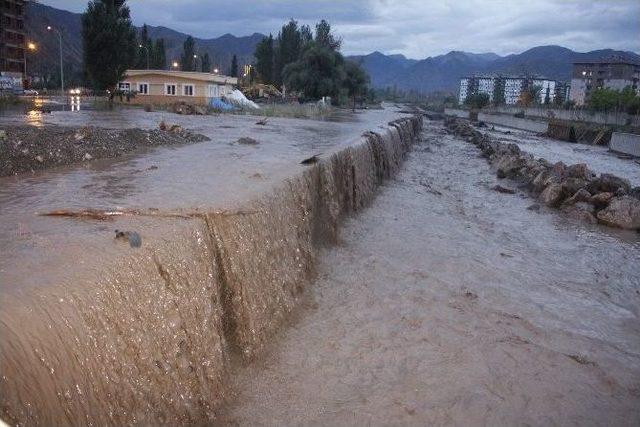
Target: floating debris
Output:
[
  {"x": 310, "y": 160},
  {"x": 134, "y": 239},
  {"x": 501, "y": 189},
  {"x": 262, "y": 122},
  {"x": 247, "y": 141}
]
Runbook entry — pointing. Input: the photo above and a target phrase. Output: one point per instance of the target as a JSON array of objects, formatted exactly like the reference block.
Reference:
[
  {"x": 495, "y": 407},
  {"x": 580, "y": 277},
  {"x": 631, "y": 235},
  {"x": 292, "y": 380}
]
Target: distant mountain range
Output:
[
  {"x": 443, "y": 72},
  {"x": 220, "y": 49},
  {"x": 437, "y": 73}
]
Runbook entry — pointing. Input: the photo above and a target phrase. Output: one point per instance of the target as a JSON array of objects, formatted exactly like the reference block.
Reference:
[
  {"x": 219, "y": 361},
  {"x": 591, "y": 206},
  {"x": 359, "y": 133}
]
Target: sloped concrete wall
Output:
[
  {"x": 539, "y": 126},
  {"x": 627, "y": 143}
]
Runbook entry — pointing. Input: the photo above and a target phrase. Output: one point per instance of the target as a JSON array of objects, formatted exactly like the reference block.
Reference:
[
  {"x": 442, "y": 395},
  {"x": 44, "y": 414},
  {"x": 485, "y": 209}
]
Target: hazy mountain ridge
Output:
[
  {"x": 443, "y": 72},
  {"x": 220, "y": 49},
  {"x": 437, "y": 73}
]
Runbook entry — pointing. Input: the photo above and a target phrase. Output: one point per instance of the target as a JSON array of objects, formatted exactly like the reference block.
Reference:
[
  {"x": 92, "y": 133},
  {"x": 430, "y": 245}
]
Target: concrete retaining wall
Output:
[
  {"x": 539, "y": 126},
  {"x": 626, "y": 143},
  {"x": 620, "y": 119},
  {"x": 462, "y": 114}
]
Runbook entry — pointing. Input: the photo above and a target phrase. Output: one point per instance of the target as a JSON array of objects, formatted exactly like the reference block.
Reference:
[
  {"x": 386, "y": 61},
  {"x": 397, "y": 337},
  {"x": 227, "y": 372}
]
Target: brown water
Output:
[
  {"x": 447, "y": 303},
  {"x": 97, "y": 332}
]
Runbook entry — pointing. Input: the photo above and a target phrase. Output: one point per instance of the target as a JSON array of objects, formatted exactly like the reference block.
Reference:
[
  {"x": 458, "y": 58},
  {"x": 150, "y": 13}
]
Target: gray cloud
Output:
[{"x": 416, "y": 28}]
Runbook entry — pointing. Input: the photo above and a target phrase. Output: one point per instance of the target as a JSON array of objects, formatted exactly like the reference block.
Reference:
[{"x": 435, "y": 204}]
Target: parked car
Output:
[{"x": 30, "y": 92}]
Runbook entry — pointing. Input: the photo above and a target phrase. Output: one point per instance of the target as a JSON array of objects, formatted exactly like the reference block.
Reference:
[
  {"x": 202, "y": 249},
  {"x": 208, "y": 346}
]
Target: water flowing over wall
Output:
[{"x": 151, "y": 341}]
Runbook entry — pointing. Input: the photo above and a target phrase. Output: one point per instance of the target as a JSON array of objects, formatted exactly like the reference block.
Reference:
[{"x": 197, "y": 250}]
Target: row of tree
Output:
[
  {"x": 612, "y": 100},
  {"x": 312, "y": 65}
]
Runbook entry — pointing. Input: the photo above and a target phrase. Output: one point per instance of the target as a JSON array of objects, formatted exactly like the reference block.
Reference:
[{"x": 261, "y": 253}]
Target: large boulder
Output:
[
  {"x": 581, "y": 211},
  {"x": 601, "y": 200},
  {"x": 579, "y": 196},
  {"x": 579, "y": 170},
  {"x": 607, "y": 183},
  {"x": 574, "y": 184},
  {"x": 622, "y": 212},
  {"x": 508, "y": 165},
  {"x": 553, "y": 195}
]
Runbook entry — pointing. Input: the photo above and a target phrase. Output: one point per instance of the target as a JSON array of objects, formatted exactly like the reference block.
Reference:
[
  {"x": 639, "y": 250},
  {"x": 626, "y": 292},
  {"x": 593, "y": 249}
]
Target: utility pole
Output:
[{"x": 50, "y": 28}]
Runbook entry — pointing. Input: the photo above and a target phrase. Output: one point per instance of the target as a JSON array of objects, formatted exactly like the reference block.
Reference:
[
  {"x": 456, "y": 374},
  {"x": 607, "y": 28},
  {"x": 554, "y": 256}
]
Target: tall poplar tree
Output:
[
  {"x": 188, "y": 50},
  {"x": 109, "y": 42},
  {"x": 234, "y": 66}
]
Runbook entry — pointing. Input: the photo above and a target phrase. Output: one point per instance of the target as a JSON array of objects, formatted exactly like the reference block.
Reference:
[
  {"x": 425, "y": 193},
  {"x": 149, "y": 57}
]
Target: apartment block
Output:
[
  {"x": 511, "y": 87},
  {"x": 12, "y": 35},
  {"x": 614, "y": 73}
]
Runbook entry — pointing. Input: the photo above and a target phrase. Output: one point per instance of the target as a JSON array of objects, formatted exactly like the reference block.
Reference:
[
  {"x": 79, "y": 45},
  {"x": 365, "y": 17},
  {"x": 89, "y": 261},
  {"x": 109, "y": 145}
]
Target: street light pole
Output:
[
  {"x": 147, "y": 50},
  {"x": 29, "y": 46},
  {"x": 50, "y": 28}
]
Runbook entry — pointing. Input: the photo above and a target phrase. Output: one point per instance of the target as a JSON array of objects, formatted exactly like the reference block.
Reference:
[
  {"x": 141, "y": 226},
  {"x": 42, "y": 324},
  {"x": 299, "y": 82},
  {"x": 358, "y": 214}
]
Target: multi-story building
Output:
[
  {"x": 511, "y": 87},
  {"x": 614, "y": 73},
  {"x": 12, "y": 42},
  {"x": 476, "y": 84}
]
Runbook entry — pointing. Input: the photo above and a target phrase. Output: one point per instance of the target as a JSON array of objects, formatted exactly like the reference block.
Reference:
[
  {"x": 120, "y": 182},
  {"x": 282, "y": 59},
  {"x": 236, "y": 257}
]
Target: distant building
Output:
[
  {"x": 168, "y": 87},
  {"x": 615, "y": 73},
  {"x": 12, "y": 43},
  {"x": 511, "y": 87},
  {"x": 476, "y": 84}
]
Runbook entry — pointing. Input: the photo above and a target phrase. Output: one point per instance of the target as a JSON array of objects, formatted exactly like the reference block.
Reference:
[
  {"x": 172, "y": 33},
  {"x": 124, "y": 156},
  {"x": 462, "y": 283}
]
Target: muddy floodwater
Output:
[
  {"x": 385, "y": 283},
  {"x": 218, "y": 174},
  {"x": 446, "y": 302}
]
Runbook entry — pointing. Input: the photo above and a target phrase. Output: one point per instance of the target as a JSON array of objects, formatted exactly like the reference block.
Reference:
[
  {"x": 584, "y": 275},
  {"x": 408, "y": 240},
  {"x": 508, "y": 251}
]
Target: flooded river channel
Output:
[
  {"x": 268, "y": 292},
  {"x": 449, "y": 303}
]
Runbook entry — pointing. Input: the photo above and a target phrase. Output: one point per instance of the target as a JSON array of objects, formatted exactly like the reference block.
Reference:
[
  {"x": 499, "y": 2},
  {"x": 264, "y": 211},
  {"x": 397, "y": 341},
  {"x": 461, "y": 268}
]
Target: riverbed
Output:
[{"x": 449, "y": 303}]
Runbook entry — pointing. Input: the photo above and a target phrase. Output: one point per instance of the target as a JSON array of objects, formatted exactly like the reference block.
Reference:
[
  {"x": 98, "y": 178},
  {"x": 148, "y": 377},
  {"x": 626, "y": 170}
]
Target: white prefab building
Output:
[
  {"x": 548, "y": 89},
  {"x": 464, "y": 90},
  {"x": 486, "y": 86},
  {"x": 512, "y": 89}
]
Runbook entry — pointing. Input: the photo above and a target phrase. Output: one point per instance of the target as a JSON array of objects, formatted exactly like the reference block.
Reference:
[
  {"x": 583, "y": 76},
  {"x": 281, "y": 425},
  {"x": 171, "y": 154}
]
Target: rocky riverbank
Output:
[
  {"x": 26, "y": 148},
  {"x": 574, "y": 189}
]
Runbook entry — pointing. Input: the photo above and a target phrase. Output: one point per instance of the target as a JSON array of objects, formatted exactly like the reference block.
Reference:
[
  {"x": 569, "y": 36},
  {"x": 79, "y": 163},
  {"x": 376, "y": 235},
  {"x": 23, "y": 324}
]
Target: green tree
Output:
[
  {"x": 320, "y": 72},
  {"x": 356, "y": 81},
  {"x": 534, "y": 92},
  {"x": 288, "y": 49},
  {"x": 498, "y": 92},
  {"x": 477, "y": 100},
  {"x": 144, "y": 43},
  {"x": 188, "y": 51},
  {"x": 265, "y": 56},
  {"x": 205, "y": 67},
  {"x": 324, "y": 38},
  {"x": 109, "y": 42},
  {"x": 159, "y": 55},
  {"x": 234, "y": 66}
]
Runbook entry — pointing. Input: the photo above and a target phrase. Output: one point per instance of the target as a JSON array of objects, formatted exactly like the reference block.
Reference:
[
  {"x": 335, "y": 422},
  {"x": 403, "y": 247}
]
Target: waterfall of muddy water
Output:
[
  {"x": 448, "y": 303},
  {"x": 95, "y": 332}
]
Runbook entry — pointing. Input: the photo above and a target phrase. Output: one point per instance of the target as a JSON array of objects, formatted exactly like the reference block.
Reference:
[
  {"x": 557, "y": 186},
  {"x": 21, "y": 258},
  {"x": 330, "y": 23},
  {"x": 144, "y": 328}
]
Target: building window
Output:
[
  {"x": 187, "y": 90},
  {"x": 143, "y": 88},
  {"x": 125, "y": 86},
  {"x": 170, "y": 89}
]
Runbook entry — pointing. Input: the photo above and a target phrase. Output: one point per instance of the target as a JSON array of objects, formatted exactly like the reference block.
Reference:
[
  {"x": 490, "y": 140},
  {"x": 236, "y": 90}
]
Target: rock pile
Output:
[
  {"x": 27, "y": 148},
  {"x": 574, "y": 189}
]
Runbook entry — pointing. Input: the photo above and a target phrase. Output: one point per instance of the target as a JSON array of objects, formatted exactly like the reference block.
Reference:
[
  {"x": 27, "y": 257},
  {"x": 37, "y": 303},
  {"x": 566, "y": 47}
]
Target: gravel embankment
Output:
[{"x": 26, "y": 148}]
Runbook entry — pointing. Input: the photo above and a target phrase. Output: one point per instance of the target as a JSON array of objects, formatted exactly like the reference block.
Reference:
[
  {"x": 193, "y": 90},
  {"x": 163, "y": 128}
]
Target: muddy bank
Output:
[
  {"x": 145, "y": 335},
  {"x": 28, "y": 148},
  {"x": 574, "y": 189}
]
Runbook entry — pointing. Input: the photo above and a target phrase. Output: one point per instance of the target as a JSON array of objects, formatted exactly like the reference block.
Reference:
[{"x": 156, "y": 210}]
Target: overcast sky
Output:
[{"x": 415, "y": 28}]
